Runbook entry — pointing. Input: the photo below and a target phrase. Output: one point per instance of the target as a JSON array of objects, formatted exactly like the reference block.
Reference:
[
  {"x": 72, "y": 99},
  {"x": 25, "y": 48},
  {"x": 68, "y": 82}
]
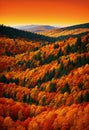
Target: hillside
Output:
[
  {"x": 71, "y": 30},
  {"x": 36, "y": 28},
  {"x": 44, "y": 83},
  {"x": 15, "y": 33}
]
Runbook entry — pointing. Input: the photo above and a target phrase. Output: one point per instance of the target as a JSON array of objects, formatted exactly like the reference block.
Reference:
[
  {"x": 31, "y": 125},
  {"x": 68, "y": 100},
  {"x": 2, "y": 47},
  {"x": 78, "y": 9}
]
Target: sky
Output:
[{"x": 45, "y": 12}]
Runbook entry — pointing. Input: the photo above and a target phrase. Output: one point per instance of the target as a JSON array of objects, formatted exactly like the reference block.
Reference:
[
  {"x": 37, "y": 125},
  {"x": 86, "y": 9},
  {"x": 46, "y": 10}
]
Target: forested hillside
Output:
[{"x": 44, "y": 83}]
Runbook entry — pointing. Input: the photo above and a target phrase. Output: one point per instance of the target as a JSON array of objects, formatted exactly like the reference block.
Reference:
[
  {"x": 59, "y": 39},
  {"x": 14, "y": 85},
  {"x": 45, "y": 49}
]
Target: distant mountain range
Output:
[{"x": 36, "y": 28}]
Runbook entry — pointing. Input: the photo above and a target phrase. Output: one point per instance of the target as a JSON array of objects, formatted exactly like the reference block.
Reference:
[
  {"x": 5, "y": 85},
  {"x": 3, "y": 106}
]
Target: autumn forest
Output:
[{"x": 44, "y": 79}]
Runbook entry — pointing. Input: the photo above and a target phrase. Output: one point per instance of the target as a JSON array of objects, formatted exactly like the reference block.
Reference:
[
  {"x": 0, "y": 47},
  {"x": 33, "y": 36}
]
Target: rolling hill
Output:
[
  {"x": 44, "y": 82},
  {"x": 71, "y": 30}
]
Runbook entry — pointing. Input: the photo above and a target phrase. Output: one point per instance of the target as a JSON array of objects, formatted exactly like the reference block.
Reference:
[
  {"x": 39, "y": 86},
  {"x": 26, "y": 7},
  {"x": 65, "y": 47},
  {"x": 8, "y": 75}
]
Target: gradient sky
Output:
[{"x": 52, "y": 12}]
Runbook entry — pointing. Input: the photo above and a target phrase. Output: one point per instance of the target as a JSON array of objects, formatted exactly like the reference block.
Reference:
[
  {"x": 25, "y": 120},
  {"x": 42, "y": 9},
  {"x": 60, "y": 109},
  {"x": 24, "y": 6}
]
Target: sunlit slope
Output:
[{"x": 72, "y": 30}]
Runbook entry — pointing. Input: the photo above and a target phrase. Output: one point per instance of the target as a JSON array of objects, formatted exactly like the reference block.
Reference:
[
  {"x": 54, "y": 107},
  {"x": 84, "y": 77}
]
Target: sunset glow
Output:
[{"x": 52, "y": 12}]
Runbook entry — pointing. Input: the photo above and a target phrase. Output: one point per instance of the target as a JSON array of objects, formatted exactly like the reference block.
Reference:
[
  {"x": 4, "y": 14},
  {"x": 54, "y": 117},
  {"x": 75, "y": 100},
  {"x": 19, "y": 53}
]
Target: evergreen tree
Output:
[
  {"x": 24, "y": 98},
  {"x": 30, "y": 99},
  {"x": 56, "y": 46},
  {"x": 73, "y": 48},
  {"x": 28, "y": 64},
  {"x": 24, "y": 81},
  {"x": 80, "y": 85},
  {"x": 78, "y": 44},
  {"x": 62, "y": 70},
  {"x": 37, "y": 56},
  {"x": 14, "y": 97},
  {"x": 78, "y": 61},
  {"x": 3, "y": 79},
  {"x": 16, "y": 81},
  {"x": 86, "y": 97},
  {"x": 79, "y": 98},
  {"x": 43, "y": 101},
  {"x": 66, "y": 88},
  {"x": 60, "y": 53},
  {"x": 68, "y": 49},
  {"x": 52, "y": 87}
]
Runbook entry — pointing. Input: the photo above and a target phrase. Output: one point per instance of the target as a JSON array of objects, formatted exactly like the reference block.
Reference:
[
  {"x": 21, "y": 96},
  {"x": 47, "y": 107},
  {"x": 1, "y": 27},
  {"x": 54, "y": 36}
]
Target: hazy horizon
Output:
[{"x": 20, "y": 25}]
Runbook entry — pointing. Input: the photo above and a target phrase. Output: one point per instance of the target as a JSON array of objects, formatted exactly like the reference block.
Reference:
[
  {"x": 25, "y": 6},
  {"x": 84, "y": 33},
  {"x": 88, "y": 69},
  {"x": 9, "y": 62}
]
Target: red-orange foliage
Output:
[{"x": 35, "y": 103}]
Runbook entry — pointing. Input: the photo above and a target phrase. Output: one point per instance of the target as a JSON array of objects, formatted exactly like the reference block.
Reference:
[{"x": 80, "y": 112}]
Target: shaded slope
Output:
[{"x": 15, "y": 33}]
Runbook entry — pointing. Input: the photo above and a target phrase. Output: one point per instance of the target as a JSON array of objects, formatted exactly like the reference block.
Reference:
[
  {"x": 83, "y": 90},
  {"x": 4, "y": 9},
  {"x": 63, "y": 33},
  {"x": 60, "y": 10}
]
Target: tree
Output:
[
  {"x": 3, "y": 79},
  {"x": 80, "y": 85},
  {"x": 59, "y": 59},
  {"x": 60, "y": 53},
  {"x": 20, "y": 115},
  {"x": 49, "y": 58},
  {"x": 16, "y": 80},
  {"x": 8, "y": 53},
  {"x": 52, "y": 87},
  {"x": 51, "y": 74},
  {"x": 78, "y": 44},
  {"x": 37, "y": 56},
  {"x": 46, "y": 77},
  {"x": 43, "y": 100},
  {"x": 21, "y": 62},
  {"x": 30, "y": 99},
  {"x": 86, "y": 97},
  {"x": 79, "y": 98},
  {"x": 14, "y": 96},
  {"x": 66, "y": 88},
  {"x": 28, "y": 64},
  {"x": 24, "y": 98},
  {"x": 24, "y": 81},
  {"x": 62, "y": 70},
  {"x": 73, "y": 48},
  {"x": 68, "y": 49},
  {"x": 84, "y": 60},
  {"x": 56, "y": 46},
  {"x": 78, "y": 61},
  {"x": 8, "y": 123}
]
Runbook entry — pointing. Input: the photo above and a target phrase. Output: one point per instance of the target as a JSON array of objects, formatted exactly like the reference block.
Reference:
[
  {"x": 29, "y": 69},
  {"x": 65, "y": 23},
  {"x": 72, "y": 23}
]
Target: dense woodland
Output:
[{"x": 44, "y": 83}]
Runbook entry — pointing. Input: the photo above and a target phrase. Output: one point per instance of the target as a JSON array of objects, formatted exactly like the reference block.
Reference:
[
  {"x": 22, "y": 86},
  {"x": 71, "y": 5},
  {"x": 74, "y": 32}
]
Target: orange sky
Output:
[{"x": 53, "y": 12}]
